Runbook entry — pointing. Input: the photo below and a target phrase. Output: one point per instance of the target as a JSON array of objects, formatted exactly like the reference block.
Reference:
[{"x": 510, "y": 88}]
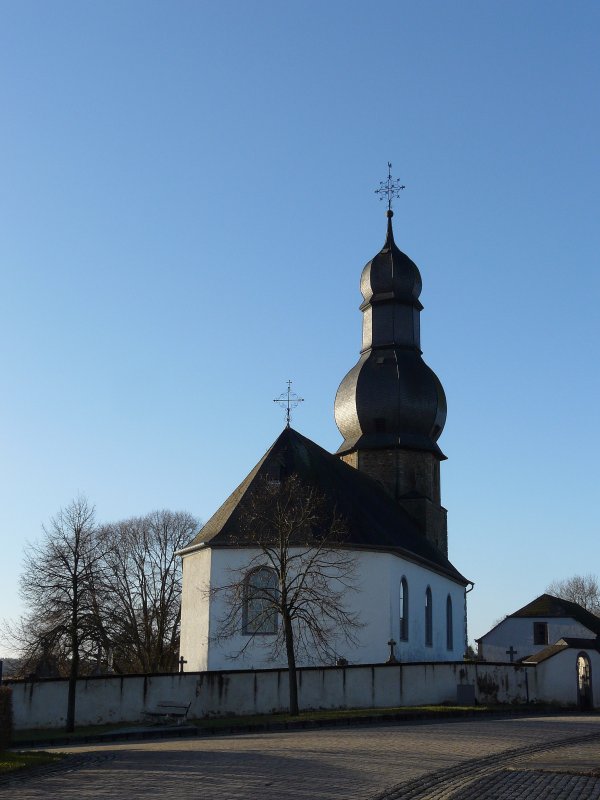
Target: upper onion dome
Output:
[{"x": 391, "y": 272}]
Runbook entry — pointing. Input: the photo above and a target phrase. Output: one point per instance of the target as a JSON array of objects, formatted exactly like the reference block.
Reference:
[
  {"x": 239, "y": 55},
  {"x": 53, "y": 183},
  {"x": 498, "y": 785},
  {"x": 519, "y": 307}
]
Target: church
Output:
[{"x": 383, "y": 481}]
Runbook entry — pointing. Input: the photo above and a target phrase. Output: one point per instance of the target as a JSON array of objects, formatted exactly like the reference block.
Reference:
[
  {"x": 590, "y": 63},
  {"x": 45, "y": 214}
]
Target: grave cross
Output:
[
  {"x": 512, "y": 653},
  {"x": 182, "y": 661},
  {"x": 392, "y": 659}
]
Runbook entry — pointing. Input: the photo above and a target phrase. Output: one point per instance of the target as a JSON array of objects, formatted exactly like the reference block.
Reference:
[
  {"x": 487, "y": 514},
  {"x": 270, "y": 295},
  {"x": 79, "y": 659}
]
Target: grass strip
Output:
[
  {"x": 324, "y": 716},
  {"x": 44, "y": 734},
  {"x": 12, "y": 762}
]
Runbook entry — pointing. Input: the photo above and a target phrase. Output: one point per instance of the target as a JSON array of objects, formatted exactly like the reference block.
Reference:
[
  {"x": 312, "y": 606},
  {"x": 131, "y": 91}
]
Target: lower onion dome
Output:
[{"x": 391, "y": 398}]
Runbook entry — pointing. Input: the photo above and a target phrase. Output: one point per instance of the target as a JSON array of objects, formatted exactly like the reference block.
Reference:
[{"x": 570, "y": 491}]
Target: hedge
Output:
[{"x": 6, "y": 719}]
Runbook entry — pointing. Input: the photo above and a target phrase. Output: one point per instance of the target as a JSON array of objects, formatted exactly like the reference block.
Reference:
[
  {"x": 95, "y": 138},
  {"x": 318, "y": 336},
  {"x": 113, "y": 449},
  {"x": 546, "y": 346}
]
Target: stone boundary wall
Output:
[{"x": 112, "y": 698}]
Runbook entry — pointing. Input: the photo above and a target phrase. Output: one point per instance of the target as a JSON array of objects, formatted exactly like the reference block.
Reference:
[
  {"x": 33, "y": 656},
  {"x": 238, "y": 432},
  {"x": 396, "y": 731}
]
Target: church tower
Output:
[{"x": 391, "y": 407}]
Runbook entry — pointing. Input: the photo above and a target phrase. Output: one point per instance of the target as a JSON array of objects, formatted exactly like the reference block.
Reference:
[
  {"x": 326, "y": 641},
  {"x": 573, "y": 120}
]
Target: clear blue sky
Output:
[{"x": 186, "y": 204}]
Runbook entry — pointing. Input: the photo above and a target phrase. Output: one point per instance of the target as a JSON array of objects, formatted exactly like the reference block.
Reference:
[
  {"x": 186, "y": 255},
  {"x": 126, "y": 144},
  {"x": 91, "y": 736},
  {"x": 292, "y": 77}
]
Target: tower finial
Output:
[
  {"x": 288, "y": 400},
  {"x": 390, "y": 188}
]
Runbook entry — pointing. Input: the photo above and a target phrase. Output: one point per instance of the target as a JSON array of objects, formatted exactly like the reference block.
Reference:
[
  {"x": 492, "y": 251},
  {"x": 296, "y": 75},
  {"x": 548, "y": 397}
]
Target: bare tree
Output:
[
  {"x": 138, "y": 592},
  {"x": 102, "y": 597},
  {"x": 296, "y": 582},
  {"x": 56, "y": 588},
  {"x": 581, "y": 589}
]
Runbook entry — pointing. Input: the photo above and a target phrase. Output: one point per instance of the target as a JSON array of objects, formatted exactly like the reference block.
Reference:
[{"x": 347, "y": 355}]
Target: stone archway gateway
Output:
[{"x": 585, "y": 700}]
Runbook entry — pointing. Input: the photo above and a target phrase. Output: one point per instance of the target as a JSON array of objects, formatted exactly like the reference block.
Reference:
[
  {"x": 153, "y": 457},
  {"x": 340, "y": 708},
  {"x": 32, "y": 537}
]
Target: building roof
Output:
[
  {"x": 568, "y": 643},
  {"x": 374, "y": 521},
  {"x": 544, "y": 655},
  {"x": 547, "y": 605}
]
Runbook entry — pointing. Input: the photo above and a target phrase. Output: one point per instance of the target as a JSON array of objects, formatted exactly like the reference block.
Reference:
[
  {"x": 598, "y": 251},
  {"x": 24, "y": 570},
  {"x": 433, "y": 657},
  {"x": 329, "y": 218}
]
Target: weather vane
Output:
[
  {"x": 288, "y": 400},
  {"x": 390, "y": 188}
]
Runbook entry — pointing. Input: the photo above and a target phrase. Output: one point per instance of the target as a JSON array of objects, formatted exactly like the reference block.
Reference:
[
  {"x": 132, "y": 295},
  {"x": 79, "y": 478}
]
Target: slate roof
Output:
[
  {"x": 546, "y": 605},
  {"x": 374, "y": 521},
  {"x": 568, "y": 643},
  {"x": 544, "y": 655}
]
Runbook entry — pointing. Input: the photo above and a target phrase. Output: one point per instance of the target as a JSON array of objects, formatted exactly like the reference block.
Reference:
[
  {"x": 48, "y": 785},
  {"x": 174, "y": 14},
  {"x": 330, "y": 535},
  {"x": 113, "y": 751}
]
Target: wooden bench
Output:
[{"x": 168, "y": 711}]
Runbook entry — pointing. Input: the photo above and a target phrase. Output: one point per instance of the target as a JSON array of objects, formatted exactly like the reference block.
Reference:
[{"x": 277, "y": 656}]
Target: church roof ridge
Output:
[{"x": 374, "y": 520}]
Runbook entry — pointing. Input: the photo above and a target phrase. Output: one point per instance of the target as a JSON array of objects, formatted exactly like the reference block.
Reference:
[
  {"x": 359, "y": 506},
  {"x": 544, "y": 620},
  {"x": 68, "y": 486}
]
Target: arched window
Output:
[
  {"x": 449, "y": 631},
  {"x": 428, "y": 618},
  {"x": 403, "y": 610},
  {"x": 259, "y": 613}
]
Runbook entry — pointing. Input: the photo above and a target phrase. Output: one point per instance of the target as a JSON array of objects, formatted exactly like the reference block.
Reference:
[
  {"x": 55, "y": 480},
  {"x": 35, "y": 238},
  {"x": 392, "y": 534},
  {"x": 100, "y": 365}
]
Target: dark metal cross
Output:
[
  {"x": 390, "y": 188},
  {"x": 182, "y": 661},
  {"x": 392, "y": 658},
  {"x": 288, "y": 400},
  {"x": 512, "y": 653}
]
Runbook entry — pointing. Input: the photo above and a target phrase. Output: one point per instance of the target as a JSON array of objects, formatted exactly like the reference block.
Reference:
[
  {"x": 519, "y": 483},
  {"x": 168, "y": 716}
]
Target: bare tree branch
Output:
[
  {"x": 141, "y": 589},
  {"x": 102, "y": 598},
  {"x": 581, "y": 589},
  {"x": 290, "y": 531},
  {"x": 56, "y": 588}
]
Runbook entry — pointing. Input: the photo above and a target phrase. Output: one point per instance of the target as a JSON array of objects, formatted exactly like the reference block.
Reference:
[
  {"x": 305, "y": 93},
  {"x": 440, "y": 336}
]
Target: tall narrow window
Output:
[
  {"x": 449, "y": 632},
  {"x": 403, "y": 610},
  {"x": 540, "y": 633},
  {"x": 260, "y": 596},
  {"x": 428, "y": 618}
]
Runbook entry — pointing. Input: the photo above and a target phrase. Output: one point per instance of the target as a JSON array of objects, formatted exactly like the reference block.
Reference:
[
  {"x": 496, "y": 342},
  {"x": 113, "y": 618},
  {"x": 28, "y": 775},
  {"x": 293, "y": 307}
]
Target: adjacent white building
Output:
[{"x": 535, "y": 627}]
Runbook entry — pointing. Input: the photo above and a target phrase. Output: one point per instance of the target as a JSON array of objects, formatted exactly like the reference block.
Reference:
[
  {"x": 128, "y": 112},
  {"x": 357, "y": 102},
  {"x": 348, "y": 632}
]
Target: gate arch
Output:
[{"x": 585, "y": 698}]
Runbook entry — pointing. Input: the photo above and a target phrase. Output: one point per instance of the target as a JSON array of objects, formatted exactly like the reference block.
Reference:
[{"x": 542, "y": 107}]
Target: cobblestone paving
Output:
[
  {"x": 525, "y": 785},
  {"x": 488, "y": 776},
  {"x": 462, "y": 760}
]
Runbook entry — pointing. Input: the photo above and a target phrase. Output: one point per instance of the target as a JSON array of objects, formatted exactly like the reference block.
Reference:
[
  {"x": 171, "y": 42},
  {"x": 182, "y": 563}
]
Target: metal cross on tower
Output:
[
  {"x": 288, "y": 400},
  {"x": 390, "y": 188}
]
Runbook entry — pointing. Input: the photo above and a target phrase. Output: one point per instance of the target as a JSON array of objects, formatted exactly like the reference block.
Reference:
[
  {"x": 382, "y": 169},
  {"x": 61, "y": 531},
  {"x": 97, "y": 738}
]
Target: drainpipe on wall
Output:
[{"x": 466, "y": 634}]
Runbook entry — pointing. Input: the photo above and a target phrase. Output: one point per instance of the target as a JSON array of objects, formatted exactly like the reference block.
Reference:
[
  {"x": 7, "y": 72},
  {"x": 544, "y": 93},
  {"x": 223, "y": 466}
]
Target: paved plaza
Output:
[{"x": 499, "y": 759}]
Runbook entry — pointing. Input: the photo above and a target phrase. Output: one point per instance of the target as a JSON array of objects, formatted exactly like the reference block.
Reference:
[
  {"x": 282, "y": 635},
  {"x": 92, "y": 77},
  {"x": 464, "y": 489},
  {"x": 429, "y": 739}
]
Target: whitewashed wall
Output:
[
  {"x": 42, "y": 704},
  {"x": 194, "y": 635},
  {"x": 377, "y": 602},
  {"x": 557, "y": 676},
  {"x": 518, "y": 632}
]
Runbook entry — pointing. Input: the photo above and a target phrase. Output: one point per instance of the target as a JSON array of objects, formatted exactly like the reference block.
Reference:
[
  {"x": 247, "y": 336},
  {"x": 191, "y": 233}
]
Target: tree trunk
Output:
[
  {"x": 73, "y": 672},
  {"x": 291, "y": 658},
  {"x": 71, "y": 702}
]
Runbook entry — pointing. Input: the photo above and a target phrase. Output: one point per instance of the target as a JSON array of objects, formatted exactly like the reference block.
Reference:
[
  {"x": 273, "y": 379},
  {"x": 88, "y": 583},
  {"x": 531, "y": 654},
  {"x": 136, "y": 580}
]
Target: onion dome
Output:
[
  {"x": 391, "y": 398},
  {"x": 391, "y": 272}
]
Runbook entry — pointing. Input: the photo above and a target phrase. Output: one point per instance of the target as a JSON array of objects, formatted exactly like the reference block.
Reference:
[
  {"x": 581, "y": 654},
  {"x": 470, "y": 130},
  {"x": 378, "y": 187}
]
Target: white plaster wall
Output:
[
  {"x": 377, "y": 602},
  {"x": 107, "y": 699},
  {"x": 557, "y": 677},
  {"x": 518, "y": 632},
  {"x": 42, "y": 704},
  {"x": 195, "y": 628},
  {"x": 239, "y": 651}
]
